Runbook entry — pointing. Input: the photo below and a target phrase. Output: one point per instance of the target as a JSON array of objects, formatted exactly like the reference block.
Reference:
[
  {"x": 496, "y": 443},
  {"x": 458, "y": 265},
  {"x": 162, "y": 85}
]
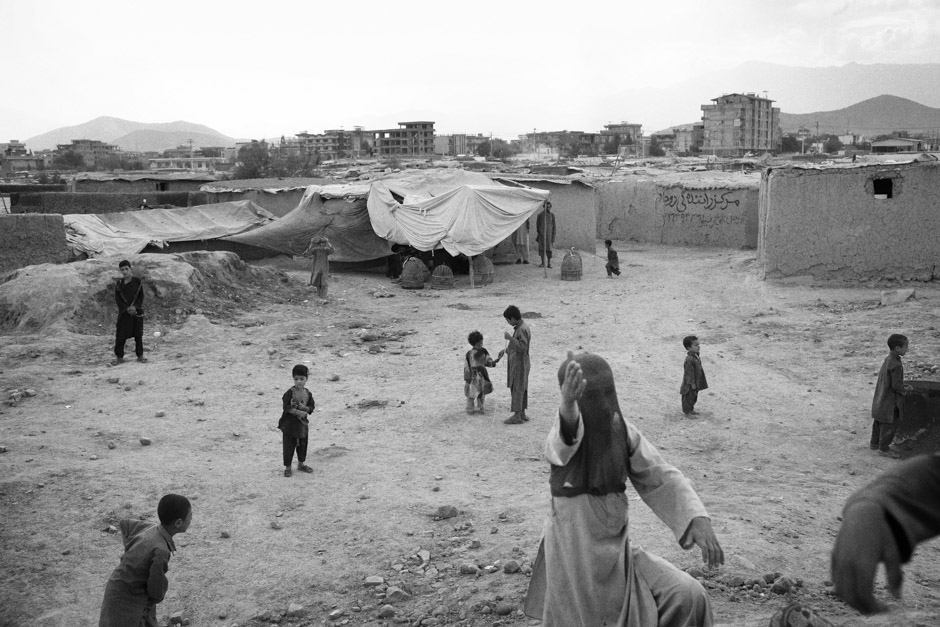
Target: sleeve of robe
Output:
[
  {"x": 909, "y": 493},
  {"x": 661, "y": 486},
  {"x": 520, "y": 341},
  {"x": 688, "y": 376}
]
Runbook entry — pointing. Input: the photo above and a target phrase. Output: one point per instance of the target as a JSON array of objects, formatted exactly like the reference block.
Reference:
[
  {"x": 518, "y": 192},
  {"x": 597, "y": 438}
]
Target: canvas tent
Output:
[
  {"x": 129, "y": 232},
  {"x": 461, "y": 212}
]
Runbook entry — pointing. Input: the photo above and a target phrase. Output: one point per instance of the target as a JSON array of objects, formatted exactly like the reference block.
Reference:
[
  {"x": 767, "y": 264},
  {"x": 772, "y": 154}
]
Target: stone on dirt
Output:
[
  {"x": 395, "y": 594},
  {"x": 503, "y": 609},
  {"x": 374, "y": 580},
  {"x": 160, "y": 414},
  {"x": 146, "y": 441},
  {"x": 469, "y": 569},
  {"x": 334, "y": 377},
  {"x": 387, "y": 611},
  {"x": 896, "y": 297},
  {"x": 295, "y": 609},
  {"x": 446, "y": 511},
  {"x": 782, "y": 585},
  {"x": 114, "y": 379},
  {"x": 176, "y": 618},
  {"x": 511, "y": 566},
  {"x": 111, "y": 444}
]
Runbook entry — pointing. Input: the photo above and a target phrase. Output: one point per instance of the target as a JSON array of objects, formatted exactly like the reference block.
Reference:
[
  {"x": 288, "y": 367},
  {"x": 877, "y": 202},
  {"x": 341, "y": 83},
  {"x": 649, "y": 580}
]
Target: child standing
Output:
[
  {"x": 298, "y": 404},
  {"x": 693, "y": 377},
  {"x": 613, "y": 262},
  {"x": 139, "y": 582},
  {"x": 477, "y": 380},
  {"x": 887, "y": 407}
]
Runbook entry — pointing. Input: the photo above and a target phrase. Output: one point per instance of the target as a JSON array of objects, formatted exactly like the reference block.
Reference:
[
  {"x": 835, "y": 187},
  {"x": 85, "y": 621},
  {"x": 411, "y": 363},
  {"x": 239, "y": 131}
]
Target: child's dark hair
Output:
[
  {"x": 474, "y": 337},
  {"x": 173, "y": 507},
  {"x": 688, "y": 339},
  {"x": 300, "y": 370},
  {"x": 896, "y": 340},
  {"x": 608, "y": 243},
  {"x": 512, "y": 312},
  {"x": 124, "y": 262}
]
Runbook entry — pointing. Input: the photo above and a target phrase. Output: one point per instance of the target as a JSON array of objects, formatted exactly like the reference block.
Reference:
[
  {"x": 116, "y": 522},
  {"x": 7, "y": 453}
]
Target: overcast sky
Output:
[{"x": 263, "y": 69}]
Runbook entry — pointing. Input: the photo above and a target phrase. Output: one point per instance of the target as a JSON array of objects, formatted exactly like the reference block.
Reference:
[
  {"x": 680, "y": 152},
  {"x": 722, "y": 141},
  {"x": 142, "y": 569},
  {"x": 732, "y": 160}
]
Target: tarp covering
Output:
[
  {"x": 462, "y": 212},
  {"x": 337, "y": 212},
  {"x": 129, "y": 232}
]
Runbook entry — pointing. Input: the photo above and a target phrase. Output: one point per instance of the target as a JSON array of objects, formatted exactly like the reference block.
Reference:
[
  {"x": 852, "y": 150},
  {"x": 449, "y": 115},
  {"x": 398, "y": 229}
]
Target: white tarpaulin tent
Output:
[
  {"x": 461, "y": 212},
  {"x": 129, "y": 232}
]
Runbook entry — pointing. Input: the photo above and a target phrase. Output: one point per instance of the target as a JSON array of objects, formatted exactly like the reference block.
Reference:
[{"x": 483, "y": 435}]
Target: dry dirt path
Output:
[{"x": 781, "y": 442}]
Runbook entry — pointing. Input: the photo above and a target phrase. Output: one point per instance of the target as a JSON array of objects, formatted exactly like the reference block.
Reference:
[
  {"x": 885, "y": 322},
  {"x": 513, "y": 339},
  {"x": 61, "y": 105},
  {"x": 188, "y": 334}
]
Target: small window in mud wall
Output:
[
  {"x": 161, "y": 186},
  {"x": 883, "y": 188}
]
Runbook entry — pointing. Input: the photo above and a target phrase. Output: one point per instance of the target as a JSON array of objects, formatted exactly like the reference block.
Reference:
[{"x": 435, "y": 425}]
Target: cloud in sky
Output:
[{"x": 280, "y": 67}]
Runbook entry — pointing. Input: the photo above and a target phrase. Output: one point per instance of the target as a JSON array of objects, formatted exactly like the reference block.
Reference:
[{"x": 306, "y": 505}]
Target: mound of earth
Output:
[{"x": 79, "y": 297}]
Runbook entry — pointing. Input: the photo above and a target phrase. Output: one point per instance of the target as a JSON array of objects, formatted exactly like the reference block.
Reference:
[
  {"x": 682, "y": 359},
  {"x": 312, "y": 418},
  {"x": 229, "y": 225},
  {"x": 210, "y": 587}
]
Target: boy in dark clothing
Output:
[
  {"x": 887, "y": 406},
  {"x": 129, "y": 296},
  {"x": 693, "y": 378},
  {"x": 139, "y": 582},
  {"x": 298, "y": 404},
  {"x": 613, "y": 262}
]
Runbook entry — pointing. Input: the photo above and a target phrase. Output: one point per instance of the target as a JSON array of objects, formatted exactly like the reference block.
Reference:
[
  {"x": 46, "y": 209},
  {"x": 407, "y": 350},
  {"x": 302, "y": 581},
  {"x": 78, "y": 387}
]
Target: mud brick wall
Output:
[
  {"x": 831, "y": 224},
  {"x": 94, "y": 202},
  {"x": 30, "y": 239},
  {"x": 574, "y": 206},
  {"x": 678, "y": 212},
  {"x": 280, "y": 204},
  {"x": 142, "y": 186}
]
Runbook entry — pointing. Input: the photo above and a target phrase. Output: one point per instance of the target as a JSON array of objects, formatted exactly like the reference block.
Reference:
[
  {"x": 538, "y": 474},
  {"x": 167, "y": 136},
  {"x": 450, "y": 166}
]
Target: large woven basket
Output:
[
  {"x": 412, "y": 274},
  {"x": 483, "y": 271},
  {"x": 442, "y": 278},
  {"x": 571, "y": 266}
]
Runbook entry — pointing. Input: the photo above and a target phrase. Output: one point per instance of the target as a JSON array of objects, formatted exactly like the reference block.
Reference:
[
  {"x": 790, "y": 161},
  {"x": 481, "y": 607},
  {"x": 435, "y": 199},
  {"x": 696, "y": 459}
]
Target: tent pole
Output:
[
  {"x": 471, "y": 272},
  {"x": 544, "y": 243}
]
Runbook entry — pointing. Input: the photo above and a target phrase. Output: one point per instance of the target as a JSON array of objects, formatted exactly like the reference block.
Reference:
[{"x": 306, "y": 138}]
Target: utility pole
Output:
[{"x": 191, "y": 158}]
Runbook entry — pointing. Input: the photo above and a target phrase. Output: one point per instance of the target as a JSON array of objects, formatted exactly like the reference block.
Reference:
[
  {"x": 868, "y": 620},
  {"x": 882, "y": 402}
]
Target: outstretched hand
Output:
[
  {"x": 700, "y": 533},
  {"x": 572, "y": 387},
  {"x": 864, "y": 541}
]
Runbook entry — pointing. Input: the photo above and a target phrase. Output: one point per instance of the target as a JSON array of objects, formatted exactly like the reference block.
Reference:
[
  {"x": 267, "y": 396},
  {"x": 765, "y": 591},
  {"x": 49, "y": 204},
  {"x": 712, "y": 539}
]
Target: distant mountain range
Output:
[
  {"x": 875, "y": 116},
  {"x": 133, "y": 136},
  {"x": 794, "y": 89}
]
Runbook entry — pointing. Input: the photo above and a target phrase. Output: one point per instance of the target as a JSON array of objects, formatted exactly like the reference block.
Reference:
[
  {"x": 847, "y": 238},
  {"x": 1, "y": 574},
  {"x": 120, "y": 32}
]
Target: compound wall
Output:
[
  {"x": 93, "y": 202},
  {"x": 862, "y": 222},
  {"x": 27, "y": 240},
  {"x": 678, "y": 211}
]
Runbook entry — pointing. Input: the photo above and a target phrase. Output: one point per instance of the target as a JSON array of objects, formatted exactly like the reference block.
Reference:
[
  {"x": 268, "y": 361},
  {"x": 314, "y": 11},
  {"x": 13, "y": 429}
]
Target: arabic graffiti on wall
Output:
[{"x": 704, "y": 199}]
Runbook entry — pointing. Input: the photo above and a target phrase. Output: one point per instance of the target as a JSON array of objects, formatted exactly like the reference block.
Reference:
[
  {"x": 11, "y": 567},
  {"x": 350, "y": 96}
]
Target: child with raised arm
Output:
[
  {"x": 294, "y": 424},
  {"x": 139, "y": 582}
]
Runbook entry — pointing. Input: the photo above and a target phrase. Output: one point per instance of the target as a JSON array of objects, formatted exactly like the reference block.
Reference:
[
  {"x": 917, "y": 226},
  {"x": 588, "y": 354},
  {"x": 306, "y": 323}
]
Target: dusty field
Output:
[{"x": 782, "y": 441}]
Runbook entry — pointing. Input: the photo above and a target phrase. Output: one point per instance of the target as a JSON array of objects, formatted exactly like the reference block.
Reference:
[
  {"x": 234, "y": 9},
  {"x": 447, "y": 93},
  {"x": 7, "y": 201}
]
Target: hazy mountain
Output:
[
  {"x": 795, "y": 89},
  {"x": 137, "y": 136},
  {"x": 875, "y": 116}
]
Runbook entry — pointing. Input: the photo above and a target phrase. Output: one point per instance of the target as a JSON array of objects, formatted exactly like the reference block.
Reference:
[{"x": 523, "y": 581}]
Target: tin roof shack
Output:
[
  {"x": 140, "y": 183},
  {"x": 851, "y": 222},
  {"x": 279, "y": 196},
  {"x": 573, "y": 203},
  {"x": 687, "y": 209}
]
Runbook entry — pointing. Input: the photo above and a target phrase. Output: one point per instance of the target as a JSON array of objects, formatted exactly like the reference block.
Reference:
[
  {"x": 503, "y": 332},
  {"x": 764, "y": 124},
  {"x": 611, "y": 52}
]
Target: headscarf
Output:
[{"x": 602, "y": 461}]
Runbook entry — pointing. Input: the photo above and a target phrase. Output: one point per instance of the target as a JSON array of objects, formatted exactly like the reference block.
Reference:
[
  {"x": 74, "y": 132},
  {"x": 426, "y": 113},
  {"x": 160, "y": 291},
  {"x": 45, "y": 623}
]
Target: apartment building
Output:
[
  {"x": 739, "y": 123},
  {"x": 91, "y": 150},
  {"x": 410, "y": 139}
]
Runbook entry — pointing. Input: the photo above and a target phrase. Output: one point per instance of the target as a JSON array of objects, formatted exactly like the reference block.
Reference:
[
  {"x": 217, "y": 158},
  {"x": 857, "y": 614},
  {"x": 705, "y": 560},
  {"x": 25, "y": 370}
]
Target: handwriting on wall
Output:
[
  {"x": 707, "y": 199},
  {"x": 713, "y": 220}
]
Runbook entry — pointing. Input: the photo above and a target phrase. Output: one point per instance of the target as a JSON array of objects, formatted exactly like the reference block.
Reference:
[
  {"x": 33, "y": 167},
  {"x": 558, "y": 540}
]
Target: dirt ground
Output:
[{"x": 781, "y": 442}]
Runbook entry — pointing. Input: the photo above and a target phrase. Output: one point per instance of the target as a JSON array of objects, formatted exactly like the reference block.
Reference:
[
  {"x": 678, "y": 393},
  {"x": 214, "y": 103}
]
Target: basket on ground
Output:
[
  {"x": 571, "y": 266},
  {"x": 412, "y": 274},
  {"x": 442, "y": 278},
  {"x": 483, "y": 271}
]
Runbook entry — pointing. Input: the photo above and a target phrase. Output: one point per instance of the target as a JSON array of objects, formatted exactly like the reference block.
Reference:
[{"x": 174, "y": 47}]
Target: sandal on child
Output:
[{"x": 304, "y": 468}]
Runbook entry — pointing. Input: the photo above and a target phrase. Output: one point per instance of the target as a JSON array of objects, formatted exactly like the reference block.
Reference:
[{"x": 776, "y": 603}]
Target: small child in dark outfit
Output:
[
  {"x": 613, "y": 262},
  {"x": 477, "y": 382},
  {"x": 887, "y": 407},
  {"x": 139, "y": 582},
  {"x": 693, "y": 377},
  {"x": 298, "y": 404}
]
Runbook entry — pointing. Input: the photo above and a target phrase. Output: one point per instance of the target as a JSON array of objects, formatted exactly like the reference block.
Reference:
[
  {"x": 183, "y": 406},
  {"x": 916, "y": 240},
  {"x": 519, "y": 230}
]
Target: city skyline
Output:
[{"x": 500, "y": 69}]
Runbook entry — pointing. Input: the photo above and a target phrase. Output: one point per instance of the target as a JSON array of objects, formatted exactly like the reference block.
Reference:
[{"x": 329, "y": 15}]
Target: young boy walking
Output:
[
  {"x": 613, "y": 262},
  {"x": 693, "y": 377},
  {"x": 518, "y": 364},
  {"x": 139, "y": 582},
  {"x": 294, "y": 424},
  {"x": 129, "y": 296},
  {"x": 887, "y": 406},
  {"x": 477, "y": 382}
]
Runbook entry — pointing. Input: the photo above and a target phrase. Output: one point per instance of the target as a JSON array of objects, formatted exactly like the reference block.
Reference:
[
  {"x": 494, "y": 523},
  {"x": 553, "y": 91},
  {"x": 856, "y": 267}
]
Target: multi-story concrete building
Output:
[
  {"x": 739, "y": 123},
  {"x": 621, "y": 134},
  {"x": 410, "y": 139},
  {"x": 330, "y": 144},
  {"x": 193, "y": 164},
  {"x": 91, "y": 150},
  {"x": 458, "y": 144},
  {"x": 689, "y": 137}
]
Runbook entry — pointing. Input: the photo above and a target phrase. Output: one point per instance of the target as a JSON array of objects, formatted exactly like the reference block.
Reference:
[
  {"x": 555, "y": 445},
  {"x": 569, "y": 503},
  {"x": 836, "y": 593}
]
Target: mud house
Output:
[
  {"x": 279, "y": 196},
  {"x": 688, "y": 209},
  {"x": 851, "y": 221}
]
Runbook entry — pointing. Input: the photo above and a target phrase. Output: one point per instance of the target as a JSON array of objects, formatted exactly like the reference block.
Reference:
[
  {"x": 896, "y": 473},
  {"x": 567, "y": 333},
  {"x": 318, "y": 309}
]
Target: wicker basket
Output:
[
  {"x": 412, "y": 274},
  {"x": 483, "y": 271},
  {"x": 571, "y": 266},
  {"x": 442, "y": 278}
]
